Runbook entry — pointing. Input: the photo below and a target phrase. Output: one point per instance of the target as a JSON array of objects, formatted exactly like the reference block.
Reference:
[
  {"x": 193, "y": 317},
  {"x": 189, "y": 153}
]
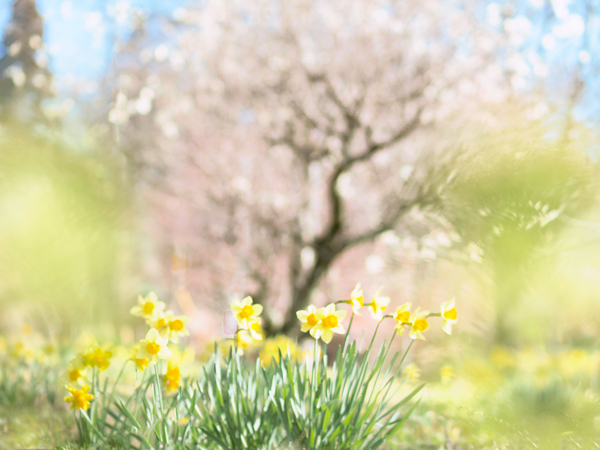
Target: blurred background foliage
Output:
[
  {"x": 208, "y": 150},
  {"x": 59, "y": 232}
]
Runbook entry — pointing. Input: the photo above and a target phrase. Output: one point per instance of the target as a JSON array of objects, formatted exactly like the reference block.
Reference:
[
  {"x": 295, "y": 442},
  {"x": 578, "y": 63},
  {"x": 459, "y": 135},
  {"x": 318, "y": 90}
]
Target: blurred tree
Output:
[
  {"x": 25, "y": 80},
  {"x": 270, "y": 138},
  {"x": 510, "y": 198}
]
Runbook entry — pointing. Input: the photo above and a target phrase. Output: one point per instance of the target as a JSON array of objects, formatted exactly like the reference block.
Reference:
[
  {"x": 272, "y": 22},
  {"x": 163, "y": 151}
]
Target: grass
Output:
[{"x": 39, "y": 426}]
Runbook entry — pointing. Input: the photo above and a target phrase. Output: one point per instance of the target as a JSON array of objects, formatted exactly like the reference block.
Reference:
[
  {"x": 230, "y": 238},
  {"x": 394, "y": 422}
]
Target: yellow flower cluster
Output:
[
  {"x": 417, "y": 320},
  {"x": 94, "y": 357},
  {"x": 165, "y": 322},
  {"x": 246, "y": 314},
  {"x": 164, "y": 326},
  {"x": 377, "y": 306},
  {"x": 323, "y": 322},
  {"x": 272, "y": 347},
  {"x": 79, "y": 398},
  {"x": 172, "y": 378}
]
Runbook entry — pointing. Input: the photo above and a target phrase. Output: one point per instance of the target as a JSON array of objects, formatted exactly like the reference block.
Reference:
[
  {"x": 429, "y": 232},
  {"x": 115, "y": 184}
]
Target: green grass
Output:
[{"x": 39, "y": 426}]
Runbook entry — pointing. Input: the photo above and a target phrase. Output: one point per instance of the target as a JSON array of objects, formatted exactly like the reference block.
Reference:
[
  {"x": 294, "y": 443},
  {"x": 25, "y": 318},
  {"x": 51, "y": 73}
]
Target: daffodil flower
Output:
[
  {"x": 244, "y": 340},
  {"x": 172, "y": 377},
  {"x": 446, "y": 374},
  {"x": 245, "y": 312},
  {"x": 329, "y": 323},
  {"x": 97, "y": 357},
  {"x": 176, "y": 327},
  {"x": 153, "y": 347},
  {"x": 309, "y": 318},
  {"x": 255, "y": 331},
  {"x": 147, "y": 306},
  {"x": 79, "y": 398},
  {"x": 356, "y": 299},
  {"x": 402, "y": 317},
  {"x": 159, "y": 320},
  {"x": 75, "y": 372},
  {"x": 419, "y": 323},
  {"x": 411, "y": 371},
  {"x": 378, "y": 305},
  {"x": 449, "y": 315},
  {"x": 140, "y": 363},
  {"x": 273, "y": 346}
]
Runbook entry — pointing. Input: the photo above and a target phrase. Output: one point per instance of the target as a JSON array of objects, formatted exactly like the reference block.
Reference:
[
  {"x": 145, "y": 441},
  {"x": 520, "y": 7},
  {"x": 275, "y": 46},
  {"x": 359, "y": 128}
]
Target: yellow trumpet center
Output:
[
  {"x": 176, "y": 325},
  {"x": 375, "y": 307},
  {"x": 330, "y": 321},
  {"x": 153, "y": 348},
  {"x": 421, "y": 324},
  {"x": 312, "y": 320},
  {"x": 450, "y": 314},
  {"x": 403, "y": 316},
  {"x": 74, "y": 375},
  {"x": 141, "y": 363},
  {"x": 148, "y": 307},
  {"x": 255, "y": 326},
  {"x": 246, "y": 312}
]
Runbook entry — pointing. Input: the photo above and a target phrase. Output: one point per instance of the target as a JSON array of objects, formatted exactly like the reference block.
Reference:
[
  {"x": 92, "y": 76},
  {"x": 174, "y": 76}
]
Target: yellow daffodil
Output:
[
  {"x": 21, "y": 351},
  {"x": 418, "y": 324},
  {"x": 79, "y": 398},
  {"x": 329, "y": 324},
  {"x": 272, "y": 347},
  {"x": 309, "y": 318},
  {"x": 449, "y": 315},
  {"x": 97, "y": 357},
  {"x": 159, "y": 320},
  {"x": 244, "y": 341},
  {"x": 356, "y": 299},
  {"x": 183, "y": 421},
  {"x": 172, "y": 377},
  {"x": 49, "y": 349},
  {"x": 147, "y": 306},
  {"x": 446, "y": 374},
  {"x": 153, "y": 347},
  {"x": 402, "y": 317},
  {"x": 245, "y": 312},
  {"x": 140, "y": 363},
  {"x": 176, "y": 327},
  {"x": 411, "y": 371},
  {"x": 256, "y": 331},
  {"x": 76, "y": 372},
  {"x": 378, "y": 305}
]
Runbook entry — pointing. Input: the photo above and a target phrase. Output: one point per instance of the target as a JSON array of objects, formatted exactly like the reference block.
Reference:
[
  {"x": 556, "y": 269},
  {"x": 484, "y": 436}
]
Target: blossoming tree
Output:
[{"x": 269, "y": 139}]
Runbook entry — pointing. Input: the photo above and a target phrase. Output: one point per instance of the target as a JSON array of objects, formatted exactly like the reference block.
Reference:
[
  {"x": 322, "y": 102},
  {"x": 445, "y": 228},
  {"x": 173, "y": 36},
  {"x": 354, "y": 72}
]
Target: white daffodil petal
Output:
[
  {"x": 152, "y": 335},
  {"x": 341, "y": 315},
  {"x": 164, "y": 352},
  {"x": 302, "y": 315},
  {"x": 327, "y": 335}
]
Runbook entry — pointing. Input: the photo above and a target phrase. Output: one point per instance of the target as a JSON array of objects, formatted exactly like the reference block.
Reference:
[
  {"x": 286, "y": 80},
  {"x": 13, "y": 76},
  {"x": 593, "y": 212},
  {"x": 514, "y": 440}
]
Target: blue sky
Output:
[{"x": 78, "y": 36}]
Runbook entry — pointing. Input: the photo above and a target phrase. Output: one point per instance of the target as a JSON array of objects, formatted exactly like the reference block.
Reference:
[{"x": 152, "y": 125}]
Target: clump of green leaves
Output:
[{"x": 354, "y": 404}]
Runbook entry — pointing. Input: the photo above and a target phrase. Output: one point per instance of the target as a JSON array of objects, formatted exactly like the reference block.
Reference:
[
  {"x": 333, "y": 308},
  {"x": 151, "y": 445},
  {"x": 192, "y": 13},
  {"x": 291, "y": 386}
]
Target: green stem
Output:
[
  {"x": 158, "y": 391},
  {"x": 348, "y": 331},
  {"x": 92, "y": 425},
  {"x": 139, "y": 392}
]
